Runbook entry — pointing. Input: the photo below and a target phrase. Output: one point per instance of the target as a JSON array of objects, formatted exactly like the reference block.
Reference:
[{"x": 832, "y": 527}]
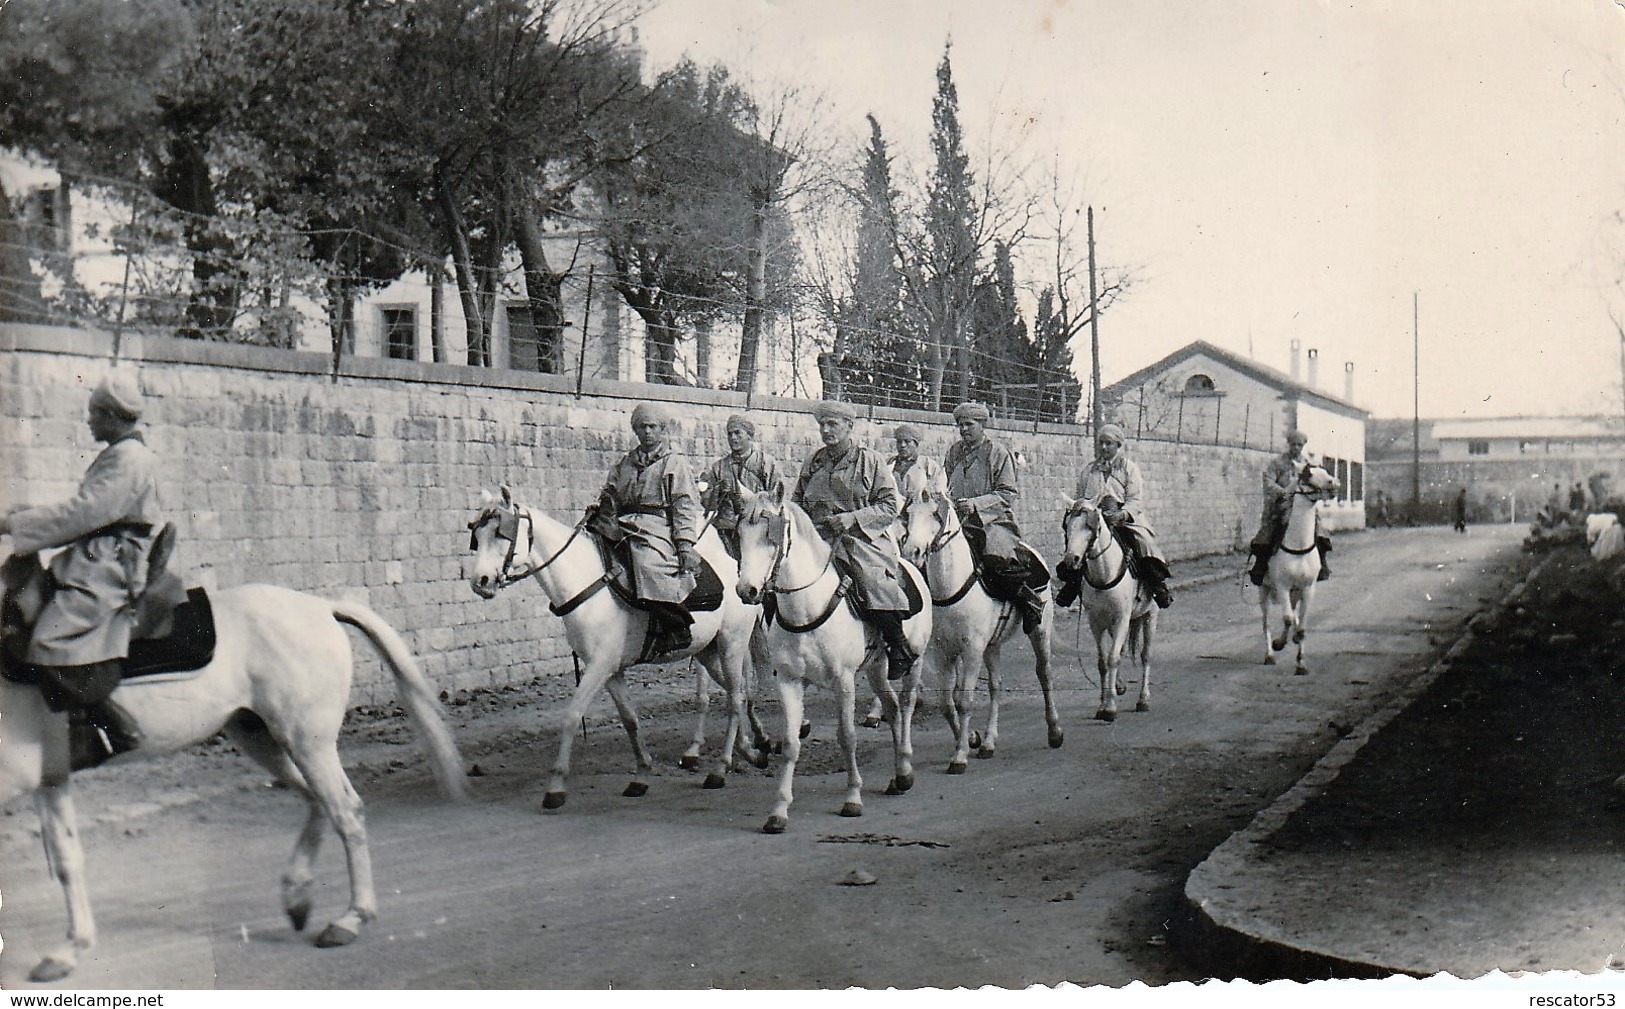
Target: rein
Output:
[
  {"x": 773, "y": 573},
  {"x": 943, "y": 537},
  {"x": 509, "y": 577},
  {"x": 1122, "y": 570}
]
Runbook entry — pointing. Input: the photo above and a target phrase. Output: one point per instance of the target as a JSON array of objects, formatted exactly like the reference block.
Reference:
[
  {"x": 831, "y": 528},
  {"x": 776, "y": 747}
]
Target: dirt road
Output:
[{"x": 1037, "y": 866}]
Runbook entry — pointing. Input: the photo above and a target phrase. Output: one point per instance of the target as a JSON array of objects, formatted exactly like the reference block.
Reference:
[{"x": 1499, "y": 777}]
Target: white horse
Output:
[
  {"x": 1120, "y": 614},
  {"x": 1293, "y": 571},
  {"x": 817, "y": 638},
  {"x": 279, "y": 686},
  {"x": 512, "y": 542},
  {"x": 969, "y": 627}
]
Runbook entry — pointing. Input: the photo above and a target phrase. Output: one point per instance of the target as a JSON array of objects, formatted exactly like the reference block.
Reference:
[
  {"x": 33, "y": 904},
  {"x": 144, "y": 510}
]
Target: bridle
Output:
[
  {"x": 943, "y": 537},
  {"x": 509, "y": 519},
  {"x": 1095, "y": 538},
  {"x": 782, "y": 526}
]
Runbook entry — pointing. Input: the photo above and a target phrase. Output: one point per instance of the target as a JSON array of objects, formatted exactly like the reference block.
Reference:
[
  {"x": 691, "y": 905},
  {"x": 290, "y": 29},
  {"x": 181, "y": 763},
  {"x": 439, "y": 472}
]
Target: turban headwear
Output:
[
  {"x": 907, "y": 431},
  {"x": 650, "y": 413},
  {"x": 1112, "y": 431},
  {"x": 973, "y": 411},
  {"x": 119, "y": 393},
  {"x": 834, "y": 409},
  {"x": 743, "y": 423}
]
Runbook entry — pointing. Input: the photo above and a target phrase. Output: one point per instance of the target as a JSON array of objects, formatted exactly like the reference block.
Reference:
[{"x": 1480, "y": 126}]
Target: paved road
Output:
[{"x": 1037, "y": 866}]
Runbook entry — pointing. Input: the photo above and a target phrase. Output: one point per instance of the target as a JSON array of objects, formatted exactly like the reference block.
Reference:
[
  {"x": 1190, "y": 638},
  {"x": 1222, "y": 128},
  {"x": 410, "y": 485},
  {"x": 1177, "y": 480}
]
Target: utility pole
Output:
[
  {"x": 1416, "y": 406},
  {"x": 1096, "y": 417}
]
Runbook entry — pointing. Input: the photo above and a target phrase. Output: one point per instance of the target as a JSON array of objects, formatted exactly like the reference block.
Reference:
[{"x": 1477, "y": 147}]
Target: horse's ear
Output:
[
  {"x": 1066, "y": 503},
  {"x": 507, "y": 495},
  {"x": 781, "y": 490}
]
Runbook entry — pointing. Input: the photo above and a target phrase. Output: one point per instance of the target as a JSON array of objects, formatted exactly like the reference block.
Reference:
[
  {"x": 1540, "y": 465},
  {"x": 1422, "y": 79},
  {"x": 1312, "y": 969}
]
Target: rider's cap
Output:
[
  {"x": 834, "y": 409},
  {"x": 650, "y": 413},
  {"x": 1111, "y": 431},
  {"x": 120, "y": 394},
  {"x": 973, "y": 411},
  {"x": 908, "y": 432},
  {"x": 743, "y": 423}
]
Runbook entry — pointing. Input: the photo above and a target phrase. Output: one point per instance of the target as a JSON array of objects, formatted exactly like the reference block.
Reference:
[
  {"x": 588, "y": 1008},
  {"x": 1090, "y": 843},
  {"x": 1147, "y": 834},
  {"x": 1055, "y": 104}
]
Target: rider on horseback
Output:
[
  {"x": 746, "y": 466},
  {"x": 83, "y": 632},
  {"x": 982, "y": 483},
  {"x": 853, "y": 502},
  {"x": 650, "y": 501},
  {"x": 1114, "y": 480},
  {"x": 908, "y": 460},
  {"x": 1280, "y": 483}
]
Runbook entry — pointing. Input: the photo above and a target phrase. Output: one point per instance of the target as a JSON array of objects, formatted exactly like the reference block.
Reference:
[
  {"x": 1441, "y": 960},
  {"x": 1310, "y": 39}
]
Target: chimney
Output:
[
  {"x": 1348, "y": 381},
  {"x": 1314, "y": 369},
  {"x": 1294, "y": 360}
]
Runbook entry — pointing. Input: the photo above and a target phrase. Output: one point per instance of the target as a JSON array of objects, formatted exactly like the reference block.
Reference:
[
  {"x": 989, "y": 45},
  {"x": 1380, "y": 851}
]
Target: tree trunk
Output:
[
  {"x": 750, "y": 340},
  {"x": 437, "y": 311},
  {"x": 185, "y": 184},
  {"x": 463, "y": 264},
  {"x": 20, "y": 299},
  {"x": 543, "y": 289}
]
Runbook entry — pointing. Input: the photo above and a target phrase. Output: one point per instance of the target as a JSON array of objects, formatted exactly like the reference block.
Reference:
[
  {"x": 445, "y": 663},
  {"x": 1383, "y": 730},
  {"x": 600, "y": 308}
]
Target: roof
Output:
[
  {"x": 1258, "y": 372},
  {"x": 1567, "y": 428}
]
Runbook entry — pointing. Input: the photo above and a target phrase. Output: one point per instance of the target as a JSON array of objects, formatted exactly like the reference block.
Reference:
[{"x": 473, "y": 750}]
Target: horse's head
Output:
[
  {"x": 1316, "y": 480},
  {"x": 1080, "y": 524},
  {"x": 764, "y": 539},
  {"x": 496, "y": 537},
  {"x": 929, "y": 519}
]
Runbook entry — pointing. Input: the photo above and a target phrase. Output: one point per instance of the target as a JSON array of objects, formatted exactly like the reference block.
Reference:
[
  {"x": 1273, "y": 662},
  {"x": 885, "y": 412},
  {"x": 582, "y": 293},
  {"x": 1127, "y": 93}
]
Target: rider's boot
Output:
[
  {"x": 672, "y": 631},
  {"x": 1157, "y": 574},
  {"x": 900, "y": 655},
  {"x": 1261, "y": 566},
  {"x": 1324, "y": 544},
  {"x": 98, "y": 733},
  {"x": 1071, "y": 587}
]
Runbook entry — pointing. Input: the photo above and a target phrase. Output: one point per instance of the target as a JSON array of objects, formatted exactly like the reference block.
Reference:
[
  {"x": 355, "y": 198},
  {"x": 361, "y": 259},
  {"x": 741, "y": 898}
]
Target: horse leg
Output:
[
  {"x": 637, "y": 787},
  {"x": 791, "y": 699},
  {"x": 59, "y": 831},
  {"x": 1109, "y": 655},
  {"x": 1140, "y": 633},
  {"x": 318, "y": 762},
  {"x": 956, "y": 708},
  {"x": 252, "y": 736},
  {"x": 702, "y": 704},
  {"x": 846, "y": 733},
  {"x": 1302, "y": 630},
  {"x": 1041, "y": 639},
  {"x": 876, "y": 713},
  {"x": 593, "y": 679},
  {"x": 990, "y": 739},
  {"x": 1264, "y": 612}
]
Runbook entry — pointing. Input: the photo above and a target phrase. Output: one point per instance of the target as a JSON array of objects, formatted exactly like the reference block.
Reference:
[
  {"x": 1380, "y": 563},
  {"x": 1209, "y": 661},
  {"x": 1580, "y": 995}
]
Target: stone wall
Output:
[{"x": 359, "y": 482}]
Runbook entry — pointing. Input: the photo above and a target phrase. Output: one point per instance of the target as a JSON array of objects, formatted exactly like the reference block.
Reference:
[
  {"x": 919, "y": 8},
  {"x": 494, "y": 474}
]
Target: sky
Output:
[{"x": 1427, "y": 181}]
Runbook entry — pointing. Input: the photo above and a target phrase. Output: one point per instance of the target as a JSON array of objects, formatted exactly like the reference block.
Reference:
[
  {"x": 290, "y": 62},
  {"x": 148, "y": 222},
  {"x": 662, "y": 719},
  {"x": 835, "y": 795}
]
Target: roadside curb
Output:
[{"x": 1222, "y": 927}]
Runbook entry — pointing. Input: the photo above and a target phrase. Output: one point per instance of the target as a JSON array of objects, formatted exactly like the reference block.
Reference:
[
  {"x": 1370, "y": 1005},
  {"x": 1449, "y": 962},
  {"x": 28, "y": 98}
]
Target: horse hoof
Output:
[
  {"x": 1056, "y": 738},
  {"x": 1301, "y": 671},
  {"x": 900, "y": 784},
  {"x": 1269, "y": 660},
  {"x": 984, "y": 752},
  {"x": 760, "y": 761},
  {"x": 1121, "y": 690},
  {"x": 552, "y": 800},
  {"x": 851, "y": 809},
  {"x": 50, "y": 969},
  {"x": 957, "y": 767},
  {"x": 299, "y": 915},
  {"x": 334, "y": 936},
  {"x": 714, "y": 780},
  {"x": 975, "y": 740},
  {"x": 775, "y": 825},
  {"x": 1278, "y": 644},
  {"x": 806, "y": 730},
  {"x": 1106, "y": 715},
  {"x": 1297, "y": 637},
  {"x": 688, "y": 761},
  {"x": 635, "y": 790},
  {"x": 763, "y": 744},
  {"x": 1142, "y": 706},
  {"x": 871, "y": 721}
]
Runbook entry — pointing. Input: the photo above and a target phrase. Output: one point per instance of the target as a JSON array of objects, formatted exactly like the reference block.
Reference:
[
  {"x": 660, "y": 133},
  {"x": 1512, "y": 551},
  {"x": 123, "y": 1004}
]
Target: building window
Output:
[
  {"x": 1478, "y": 446},
  {"x": 400, "y": 324},
  {"x": 1525, "y": 447},
  {"x": 1199, "y": 385},
  {"x": 1356, "y": 484},
  {"x": 525, "y": 349}
]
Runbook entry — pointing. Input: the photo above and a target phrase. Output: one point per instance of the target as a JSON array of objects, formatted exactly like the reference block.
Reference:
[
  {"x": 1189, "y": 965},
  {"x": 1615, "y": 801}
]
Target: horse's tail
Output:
[{"x": 415, "y": 694}]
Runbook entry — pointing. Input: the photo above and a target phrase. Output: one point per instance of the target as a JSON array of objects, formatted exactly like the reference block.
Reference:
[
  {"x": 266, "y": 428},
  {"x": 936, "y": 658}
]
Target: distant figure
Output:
[
  {"x": 1382, "y": 509},
  {"x": 1577, "y": 499},
  {"x": 1554, "y": 506},
  {"x": 1461, "y": 511}
]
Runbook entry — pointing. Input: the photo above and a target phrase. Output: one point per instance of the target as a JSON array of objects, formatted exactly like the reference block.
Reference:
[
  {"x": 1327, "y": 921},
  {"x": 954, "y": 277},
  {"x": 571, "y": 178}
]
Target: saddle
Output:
[
  {"x": 1004, "y": 581},
  {"x": 174, "y": 628},
  {"x": 621, "y": 577}
]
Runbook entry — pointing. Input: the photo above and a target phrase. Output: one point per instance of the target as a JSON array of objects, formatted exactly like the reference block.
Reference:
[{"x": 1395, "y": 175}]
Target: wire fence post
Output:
[{"x": 586, "y": 321}]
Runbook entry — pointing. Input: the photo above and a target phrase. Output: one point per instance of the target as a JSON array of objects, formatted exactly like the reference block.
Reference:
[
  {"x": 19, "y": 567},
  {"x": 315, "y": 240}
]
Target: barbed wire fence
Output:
[{"x": 116, "y": 258}]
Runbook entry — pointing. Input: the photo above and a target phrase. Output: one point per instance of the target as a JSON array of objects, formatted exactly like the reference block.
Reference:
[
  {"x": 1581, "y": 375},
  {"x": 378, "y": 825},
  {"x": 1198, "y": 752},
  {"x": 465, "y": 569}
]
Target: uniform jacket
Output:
[
  {"x": 1121, "y": 478},
  {"x": 984, "y": 477},
  {"x": 758, "y": 471},
  {"x": 855, "y": 482},
  {"x": 656, "y": 504},
  {"x": 104, "y": 567},
  {"x": 935, "y": 478}
]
